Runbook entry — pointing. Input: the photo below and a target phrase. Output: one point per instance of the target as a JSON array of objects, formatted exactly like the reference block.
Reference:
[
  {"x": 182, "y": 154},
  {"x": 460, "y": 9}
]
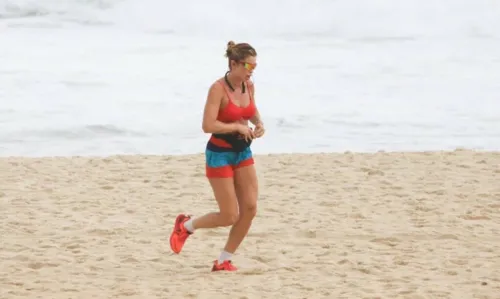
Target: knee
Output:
[
  {"x": 248, "y": 211},
  {"x": 228, "y": 219}
]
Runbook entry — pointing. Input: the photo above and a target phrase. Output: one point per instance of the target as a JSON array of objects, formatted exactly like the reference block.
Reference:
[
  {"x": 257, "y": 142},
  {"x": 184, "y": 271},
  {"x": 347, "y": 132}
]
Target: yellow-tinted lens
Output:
[{"x": 250, "y": 66}]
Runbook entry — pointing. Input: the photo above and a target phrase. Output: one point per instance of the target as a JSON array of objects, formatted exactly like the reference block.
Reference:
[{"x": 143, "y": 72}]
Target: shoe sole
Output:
[{"x": 177, "y": 225}]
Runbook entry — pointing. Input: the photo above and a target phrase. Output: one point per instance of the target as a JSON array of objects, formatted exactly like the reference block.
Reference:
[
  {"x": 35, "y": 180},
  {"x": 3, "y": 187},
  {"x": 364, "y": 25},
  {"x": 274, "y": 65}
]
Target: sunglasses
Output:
[{"x": 249, "y": 66}]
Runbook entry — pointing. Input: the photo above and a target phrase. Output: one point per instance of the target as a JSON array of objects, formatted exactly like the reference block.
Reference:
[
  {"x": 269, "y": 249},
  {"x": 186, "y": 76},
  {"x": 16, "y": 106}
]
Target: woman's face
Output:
[{"x": 244, "y": 69}]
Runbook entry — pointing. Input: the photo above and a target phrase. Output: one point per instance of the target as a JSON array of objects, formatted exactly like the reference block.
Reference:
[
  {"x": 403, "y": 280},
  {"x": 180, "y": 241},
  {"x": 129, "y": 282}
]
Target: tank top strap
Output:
[
  {"x": 225, "y": 90},
  {"x": 250, "y": 90}
]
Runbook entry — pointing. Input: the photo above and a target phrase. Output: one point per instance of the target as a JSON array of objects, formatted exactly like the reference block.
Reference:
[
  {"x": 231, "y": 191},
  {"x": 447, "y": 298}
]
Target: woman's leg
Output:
[
  {"x": 225, "y": 196},
  {"x": 220, "y": 175},
  {"x": 219, "y": 172},
  {"x": 245, "y": 180}
]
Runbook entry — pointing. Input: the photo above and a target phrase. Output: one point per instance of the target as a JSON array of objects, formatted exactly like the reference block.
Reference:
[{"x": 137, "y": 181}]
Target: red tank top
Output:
[{"x": 231, "y": 112}]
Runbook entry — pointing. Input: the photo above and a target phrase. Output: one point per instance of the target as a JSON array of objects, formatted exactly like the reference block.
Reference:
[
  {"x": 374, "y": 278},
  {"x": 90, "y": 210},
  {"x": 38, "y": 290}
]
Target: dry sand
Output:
[{"x": 384, "y": 225}]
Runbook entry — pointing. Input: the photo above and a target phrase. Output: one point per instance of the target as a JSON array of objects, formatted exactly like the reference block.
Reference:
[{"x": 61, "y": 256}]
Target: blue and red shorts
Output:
[{"x": 221, "y": 161}]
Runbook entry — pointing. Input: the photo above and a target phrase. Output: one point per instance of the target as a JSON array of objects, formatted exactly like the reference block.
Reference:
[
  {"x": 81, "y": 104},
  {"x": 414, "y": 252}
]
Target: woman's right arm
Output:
[{"x": 210, "y": 123}]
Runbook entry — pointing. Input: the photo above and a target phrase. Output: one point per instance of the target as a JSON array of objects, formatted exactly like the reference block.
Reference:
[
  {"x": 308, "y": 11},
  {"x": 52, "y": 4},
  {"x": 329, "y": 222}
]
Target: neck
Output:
[{"x": 235, "y": 82}]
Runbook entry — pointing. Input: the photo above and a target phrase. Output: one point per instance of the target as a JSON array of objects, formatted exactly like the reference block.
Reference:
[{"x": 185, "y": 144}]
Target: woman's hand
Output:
[
  {"x": 259, "y": 130},
  {"x": 246, "y": 132}
]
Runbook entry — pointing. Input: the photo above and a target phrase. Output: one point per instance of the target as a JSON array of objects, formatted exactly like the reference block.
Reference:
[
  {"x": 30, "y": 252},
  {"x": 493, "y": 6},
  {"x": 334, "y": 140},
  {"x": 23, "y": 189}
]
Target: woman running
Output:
[{"x": 230, "y": 167}]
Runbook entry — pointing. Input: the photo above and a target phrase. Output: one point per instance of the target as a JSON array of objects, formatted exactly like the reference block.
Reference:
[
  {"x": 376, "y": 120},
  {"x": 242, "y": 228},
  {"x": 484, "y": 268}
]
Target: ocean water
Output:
[{"x": 90, "y": 77}]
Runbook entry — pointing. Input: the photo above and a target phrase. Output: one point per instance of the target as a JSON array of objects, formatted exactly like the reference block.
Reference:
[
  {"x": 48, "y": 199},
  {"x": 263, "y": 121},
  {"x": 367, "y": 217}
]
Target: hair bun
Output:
[
  {"x": 230, "y": 47},
  {"x": 230, "y": 44}
]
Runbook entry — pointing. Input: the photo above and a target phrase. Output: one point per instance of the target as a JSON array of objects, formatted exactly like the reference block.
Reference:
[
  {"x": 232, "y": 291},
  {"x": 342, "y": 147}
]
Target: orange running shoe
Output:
[
  {"x": 224, "y": 266},
  {"x": 179, "y": 234}
]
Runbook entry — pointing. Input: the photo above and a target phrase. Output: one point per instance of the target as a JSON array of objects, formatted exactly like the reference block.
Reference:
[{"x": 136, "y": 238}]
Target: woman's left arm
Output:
[{"x": 256, "y": 119}]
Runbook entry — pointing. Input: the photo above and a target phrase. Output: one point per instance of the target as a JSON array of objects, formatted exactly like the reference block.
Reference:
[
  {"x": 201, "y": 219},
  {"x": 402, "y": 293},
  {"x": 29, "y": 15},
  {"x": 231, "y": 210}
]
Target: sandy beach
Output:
[{"x": 346, "y": 225}]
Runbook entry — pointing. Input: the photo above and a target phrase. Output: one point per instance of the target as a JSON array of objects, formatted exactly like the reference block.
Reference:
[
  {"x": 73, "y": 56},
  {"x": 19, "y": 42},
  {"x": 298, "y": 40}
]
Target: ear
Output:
[{"x": 232, "y": 63}]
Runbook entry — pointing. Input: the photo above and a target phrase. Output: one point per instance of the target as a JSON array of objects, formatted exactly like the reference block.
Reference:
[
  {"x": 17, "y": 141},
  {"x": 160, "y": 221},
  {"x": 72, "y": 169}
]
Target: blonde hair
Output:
[{"x": 238, "y": 52}]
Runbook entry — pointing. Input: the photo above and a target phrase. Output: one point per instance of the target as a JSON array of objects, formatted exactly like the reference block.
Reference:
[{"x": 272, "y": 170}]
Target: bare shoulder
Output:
[
  {"x": 250, "y": 83},
  {"x": 251, "y": 86},
  {"x": 216, "y": 88},
  {"x": 215, "y": 93}
]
